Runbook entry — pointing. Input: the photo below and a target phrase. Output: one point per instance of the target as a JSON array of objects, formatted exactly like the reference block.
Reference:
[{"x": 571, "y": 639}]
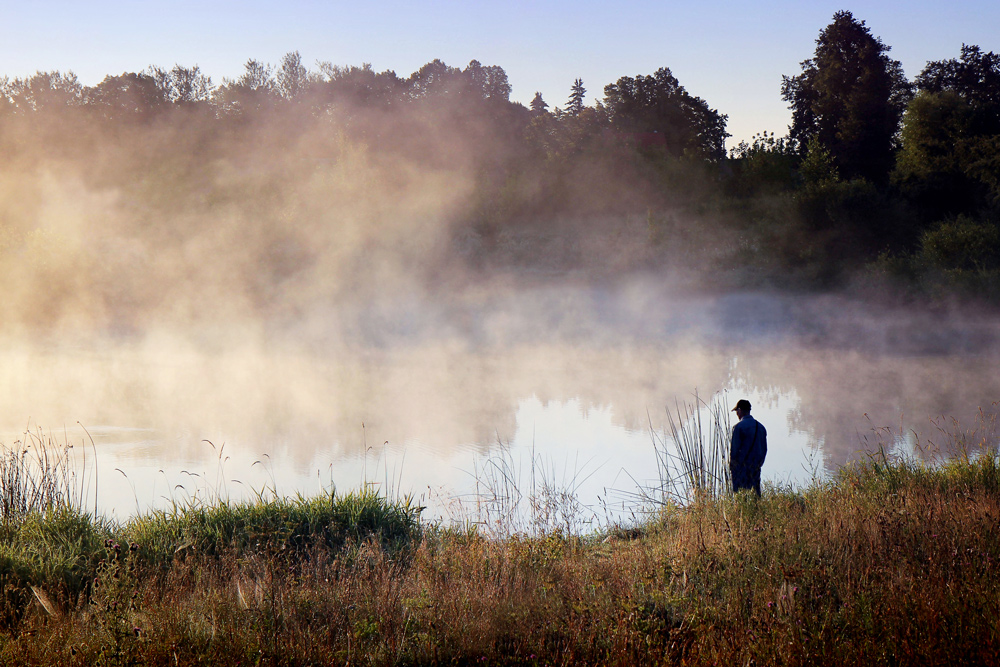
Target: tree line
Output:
[{"x": 894, "y": 178}]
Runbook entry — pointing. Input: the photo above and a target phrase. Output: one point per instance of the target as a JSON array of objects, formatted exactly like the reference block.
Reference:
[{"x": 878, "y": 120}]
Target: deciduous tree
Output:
[
  {"x": 950, "y": 161},
  {"x": 127, "y": 97},
  {"x": 251, "y": 92},
  {"x": 50, "y": 91},
  {"x": 850, "y": 96},
  {"x": 659, "y": 104},
  {"x": 182, "y": 85},
  {"x": 292, "y": 78}
]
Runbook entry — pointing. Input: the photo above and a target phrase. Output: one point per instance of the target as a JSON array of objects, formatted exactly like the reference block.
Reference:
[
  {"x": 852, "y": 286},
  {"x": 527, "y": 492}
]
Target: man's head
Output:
[{"x": 742, "y": 408}]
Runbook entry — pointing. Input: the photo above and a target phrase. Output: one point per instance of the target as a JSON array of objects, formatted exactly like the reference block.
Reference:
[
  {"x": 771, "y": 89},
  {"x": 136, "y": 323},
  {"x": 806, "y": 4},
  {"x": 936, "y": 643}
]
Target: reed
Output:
[
  {"x": 692, "y": 455},
  {"x": 38, "y": 474},
  {"x": 524, "y": 496},
  {"x": 889, "y": 561}
]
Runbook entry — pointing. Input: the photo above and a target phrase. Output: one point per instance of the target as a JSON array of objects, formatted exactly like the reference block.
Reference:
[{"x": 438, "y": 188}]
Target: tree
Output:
[
  {"x": 361, "y": 86},
  {"x": 658, "y": 104},
  {"x": 251, "y": 92},
  {"x": 128, "y": 97},
  {"x": 561, "y": 136},
  {"x": 489, "y": 82},
  {"x": 975, "y": 77},
  {"x": 257, "y": 77},
  {"x": 575, "y": 104},
  {"x": 950, "y": 160},
  {"x": 44, "y": 91},
  {"x": 538, "y": 105},
  {"x": 764, "y": 165},
  {"x": 436, "y": 79},
  {"x": 182, "y": 85},
  {"x": 850, "y": 96},
  {"x": 292, "y": 76}
]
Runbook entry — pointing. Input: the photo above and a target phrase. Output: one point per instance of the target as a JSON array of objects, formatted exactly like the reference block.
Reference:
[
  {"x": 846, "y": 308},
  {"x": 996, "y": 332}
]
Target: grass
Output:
[
  {"x": 693, "y": 460},
  {"x": 889, "y": 562}
]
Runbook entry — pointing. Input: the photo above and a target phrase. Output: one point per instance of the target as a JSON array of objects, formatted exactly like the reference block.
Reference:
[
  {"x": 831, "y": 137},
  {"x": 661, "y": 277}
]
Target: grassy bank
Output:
[{"x": 887, "y": 563}]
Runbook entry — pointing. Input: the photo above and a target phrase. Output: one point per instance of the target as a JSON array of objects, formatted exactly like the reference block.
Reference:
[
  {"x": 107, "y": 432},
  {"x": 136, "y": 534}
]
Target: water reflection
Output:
[{"x": 419, "y": 412}]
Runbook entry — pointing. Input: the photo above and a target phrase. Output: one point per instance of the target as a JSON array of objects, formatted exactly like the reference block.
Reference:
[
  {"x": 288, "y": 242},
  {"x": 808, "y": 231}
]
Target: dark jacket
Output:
[{"x": 749, "y": 444}]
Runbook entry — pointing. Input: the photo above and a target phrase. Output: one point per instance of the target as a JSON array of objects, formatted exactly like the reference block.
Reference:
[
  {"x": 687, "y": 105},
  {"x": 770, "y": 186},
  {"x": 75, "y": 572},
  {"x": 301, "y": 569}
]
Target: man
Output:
[{"x": 748, "y": 449}]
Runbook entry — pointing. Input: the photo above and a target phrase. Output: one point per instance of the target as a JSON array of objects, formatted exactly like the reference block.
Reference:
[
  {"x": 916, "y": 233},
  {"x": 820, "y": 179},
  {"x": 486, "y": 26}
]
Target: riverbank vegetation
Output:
[{"x": 890, "y": 561}]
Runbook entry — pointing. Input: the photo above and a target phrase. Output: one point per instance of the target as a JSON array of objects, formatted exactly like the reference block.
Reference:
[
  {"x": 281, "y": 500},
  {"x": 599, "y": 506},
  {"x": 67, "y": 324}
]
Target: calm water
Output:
[{"x": 422, "y": 397}]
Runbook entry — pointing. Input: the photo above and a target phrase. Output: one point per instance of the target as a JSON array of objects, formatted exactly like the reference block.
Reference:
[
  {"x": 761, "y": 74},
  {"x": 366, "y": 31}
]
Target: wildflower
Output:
[{"x": 770, "y": 604}]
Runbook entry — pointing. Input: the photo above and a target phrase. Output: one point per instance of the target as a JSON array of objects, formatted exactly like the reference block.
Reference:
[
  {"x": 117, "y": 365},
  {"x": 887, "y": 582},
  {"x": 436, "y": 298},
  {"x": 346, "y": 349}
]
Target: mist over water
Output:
[
  {"x": 417, "y": 393},
  {"x": 340, "y": 307}
]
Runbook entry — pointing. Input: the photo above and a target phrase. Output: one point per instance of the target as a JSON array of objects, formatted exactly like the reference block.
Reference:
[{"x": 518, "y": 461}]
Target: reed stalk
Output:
[{"x": 692, "y": 453}]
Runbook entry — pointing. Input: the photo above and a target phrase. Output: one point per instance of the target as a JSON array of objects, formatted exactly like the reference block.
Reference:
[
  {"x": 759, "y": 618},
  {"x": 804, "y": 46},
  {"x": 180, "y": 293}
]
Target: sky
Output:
[{"x": 731, "y": 53}]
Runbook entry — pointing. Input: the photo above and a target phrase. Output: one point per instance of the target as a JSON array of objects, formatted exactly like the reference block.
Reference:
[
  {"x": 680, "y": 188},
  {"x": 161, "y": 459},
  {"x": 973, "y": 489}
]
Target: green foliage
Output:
[
  {"x": 575, "y": 103},
  {"x": 658, "y": 104},
  {"x": 818, "y": 167},
  {"x": 847, "y": 221},
  {"x": 55, "y": 553},
  {"x": 281, "y": 524},
  {"x": 945, "y": 166},
  {"x": 764, "y": 166},
  {"x": 116, "y": 603},
  {"x": 259, "y": 157},
  {"x": 850, "y": 96},
  {"x": 962, "y": 244},
  {"x": 822, "y": 575},
  {"x": 975, "y": 76},
  {"x": 958, "y": 256}
]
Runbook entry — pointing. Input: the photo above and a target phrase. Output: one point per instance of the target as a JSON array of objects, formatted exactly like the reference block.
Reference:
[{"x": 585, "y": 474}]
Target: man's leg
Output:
[{"x": 741, "y": 478}]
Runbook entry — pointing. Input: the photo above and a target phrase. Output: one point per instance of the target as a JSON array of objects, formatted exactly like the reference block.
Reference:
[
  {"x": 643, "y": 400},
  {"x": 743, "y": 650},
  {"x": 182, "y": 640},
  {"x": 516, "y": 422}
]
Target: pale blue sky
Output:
[{"x": 731, "y": 53}]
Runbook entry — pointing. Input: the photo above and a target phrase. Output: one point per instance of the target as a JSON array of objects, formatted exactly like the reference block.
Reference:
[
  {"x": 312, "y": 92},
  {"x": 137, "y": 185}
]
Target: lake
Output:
[{"x": 571, "y": 384}]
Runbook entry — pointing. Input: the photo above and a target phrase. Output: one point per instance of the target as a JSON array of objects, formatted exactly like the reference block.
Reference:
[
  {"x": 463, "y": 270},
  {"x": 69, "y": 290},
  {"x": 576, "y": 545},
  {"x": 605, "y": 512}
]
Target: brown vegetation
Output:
[{"x": 890, "y": 563}]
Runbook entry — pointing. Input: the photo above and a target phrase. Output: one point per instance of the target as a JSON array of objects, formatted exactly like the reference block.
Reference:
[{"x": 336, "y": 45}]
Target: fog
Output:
[{"x": 316, "y": 297}]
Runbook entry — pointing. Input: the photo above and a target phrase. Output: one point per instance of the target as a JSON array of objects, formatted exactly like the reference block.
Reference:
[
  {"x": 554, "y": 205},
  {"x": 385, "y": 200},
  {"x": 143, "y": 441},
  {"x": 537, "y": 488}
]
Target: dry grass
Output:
[{"x": 889, "y": 563}]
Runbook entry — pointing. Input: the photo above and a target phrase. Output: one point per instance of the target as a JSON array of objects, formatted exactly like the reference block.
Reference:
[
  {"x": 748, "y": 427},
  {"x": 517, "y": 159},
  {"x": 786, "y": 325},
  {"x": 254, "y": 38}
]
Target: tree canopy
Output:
[
  {"x": 950, "y": 159},
  {"x": 850, "y": 96},
  {"x": 975, "y": 77},
  {"x": 659, "y": 104},
  {"x": 849, "y": 181}
]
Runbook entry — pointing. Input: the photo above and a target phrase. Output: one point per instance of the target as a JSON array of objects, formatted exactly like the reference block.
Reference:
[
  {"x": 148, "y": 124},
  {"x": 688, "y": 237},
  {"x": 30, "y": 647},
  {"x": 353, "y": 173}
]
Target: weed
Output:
[{"x": 891, "y": 560}]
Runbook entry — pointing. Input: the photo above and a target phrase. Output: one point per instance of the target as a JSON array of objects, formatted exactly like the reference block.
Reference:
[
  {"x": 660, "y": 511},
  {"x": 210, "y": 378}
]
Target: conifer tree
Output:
[
  {"x": 575, "y": 104},
  {"x": 538, "y": 105}
]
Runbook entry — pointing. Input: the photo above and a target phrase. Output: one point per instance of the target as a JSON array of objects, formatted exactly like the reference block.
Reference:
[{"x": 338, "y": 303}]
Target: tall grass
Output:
[
  {"x": 692, "y": 454},
  {"x": 524, "y": 496},
  {"x": 53, "y": 549},
  {"x": 38, "y": 474},
  {"x": 891, "y": 561}
]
